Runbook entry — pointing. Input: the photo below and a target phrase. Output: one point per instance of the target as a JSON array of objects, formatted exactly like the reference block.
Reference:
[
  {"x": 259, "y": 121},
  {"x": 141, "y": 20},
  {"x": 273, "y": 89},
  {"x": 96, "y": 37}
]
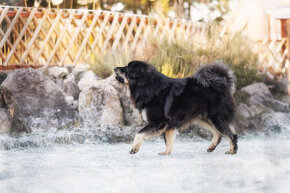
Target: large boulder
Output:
[
  {"x": 132, "y": 115},
  {"x": 3, "y": 76},
  {"x": 2, "y": 102},
  {"x": 35, "y": 101},
  {"x": 260, "y": 95},
  {"x": 88, "y": 79},
  {"x": 5, "y": 121},
  {"x": 258, "y": 89},
  {"x": 70, "y": 88},
  {"x": 255, "y": 103},
  {"x": 99, "y": 105}
]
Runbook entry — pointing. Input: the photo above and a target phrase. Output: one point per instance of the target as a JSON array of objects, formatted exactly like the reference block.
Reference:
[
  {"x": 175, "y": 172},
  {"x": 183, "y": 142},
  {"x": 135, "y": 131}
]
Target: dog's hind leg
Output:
[
  {"x": 229, "y": 133},
  {"x": 232, "y": 137},
  {"x": 169, "y": 138},
  {"x": 210, "y": 127},
  {"x": 148, "y": 132}
]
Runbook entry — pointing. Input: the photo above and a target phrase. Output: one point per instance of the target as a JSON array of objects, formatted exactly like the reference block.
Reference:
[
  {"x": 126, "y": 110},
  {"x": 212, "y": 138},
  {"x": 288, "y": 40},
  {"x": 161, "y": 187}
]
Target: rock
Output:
[
  {"x": 69, "y": 100},
  {"x": 262, "y": 100},
  {"x": 257, "y": 106},
  {"x": 132, "y": 116},
  {"x": 3, "y": 76},
  {"x": 275, "y": 122},
  {"x": 79, "y": 70},
  {"x": 36, "y": 102},
  {"x": 258, "y": 89},
  {"x": 100, "y": 105},
  {"x": 2, "y": 102},
  {"x": 243, "y": 111},
  {"x": 5, "y": 121},
  {"x": 70, "y": 77},
  {"x": 70, "y": 88},
  {"x": 120, "y": 134},
  {"x": 88, "y": 79},
  {"x": 58, "y": 72},
  {"x": 276, "y": 105}
]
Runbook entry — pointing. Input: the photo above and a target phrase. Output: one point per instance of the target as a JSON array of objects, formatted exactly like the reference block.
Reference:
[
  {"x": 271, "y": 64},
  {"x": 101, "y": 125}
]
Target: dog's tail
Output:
[{"x": 217, "y": 77}]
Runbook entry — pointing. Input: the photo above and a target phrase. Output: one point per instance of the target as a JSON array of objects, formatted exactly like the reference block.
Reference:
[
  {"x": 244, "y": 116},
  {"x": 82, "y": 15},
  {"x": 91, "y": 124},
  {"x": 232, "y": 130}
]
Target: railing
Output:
[
  {"x": 273, "y": 56},
  {"x": 35, "y": 37}
]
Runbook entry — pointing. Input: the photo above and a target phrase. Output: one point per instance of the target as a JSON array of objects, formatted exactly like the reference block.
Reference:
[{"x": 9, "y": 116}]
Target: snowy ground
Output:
[{"x": 261, "y": 165}]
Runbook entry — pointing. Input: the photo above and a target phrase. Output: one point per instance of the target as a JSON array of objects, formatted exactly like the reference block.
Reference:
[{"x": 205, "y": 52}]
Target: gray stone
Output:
[
  {"x": 58, "y": 72},
  {"x": 132, "y": 116},
  {"x": 79, "y": 70},
  {"x": 35, "y": 101},
  {"x": 5, "y": 121},
  {"x": 3, "y": 76},
  {"x": 88, "y": 79},
  {"x": 258, "y": 89},
  {"x": 275, "y": 121},
  {"x": 243, "y": 111},
  {"x": 100, "y": 105},
  {"x": 262, "y": 100},
  {"x": 2, "y": 102},
  {"x": 278, "y": 106},
  {"x": 70, "y": 88},
  {"x": 120, "y": 134}
]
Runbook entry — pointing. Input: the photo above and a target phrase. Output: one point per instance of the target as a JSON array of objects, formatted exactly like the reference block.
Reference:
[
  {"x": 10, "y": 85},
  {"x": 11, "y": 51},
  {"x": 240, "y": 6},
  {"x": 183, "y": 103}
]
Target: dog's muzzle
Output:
[{"x": 118, "y": 76}]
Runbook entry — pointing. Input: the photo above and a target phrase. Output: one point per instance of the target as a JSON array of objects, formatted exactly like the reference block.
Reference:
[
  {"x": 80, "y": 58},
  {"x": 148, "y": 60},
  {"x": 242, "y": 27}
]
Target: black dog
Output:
[{"x": 206, "y": 99}]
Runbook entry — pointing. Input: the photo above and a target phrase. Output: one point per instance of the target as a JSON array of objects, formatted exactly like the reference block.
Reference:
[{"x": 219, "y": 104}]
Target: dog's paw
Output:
[
  {"x": 231, "y": 152},
  {"x": 164, "y": 153},
  {"x": 134, "y": 150},
  {"x": 210, "y": 149}
]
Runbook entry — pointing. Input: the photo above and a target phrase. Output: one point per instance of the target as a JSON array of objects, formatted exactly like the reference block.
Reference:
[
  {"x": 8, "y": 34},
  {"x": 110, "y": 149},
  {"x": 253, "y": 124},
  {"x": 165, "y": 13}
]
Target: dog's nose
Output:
[{"x": 115, "y": 69}]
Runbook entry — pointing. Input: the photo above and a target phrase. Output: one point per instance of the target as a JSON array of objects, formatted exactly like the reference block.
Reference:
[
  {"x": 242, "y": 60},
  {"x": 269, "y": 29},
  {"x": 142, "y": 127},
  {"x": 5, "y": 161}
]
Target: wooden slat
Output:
[
  {"x": 86, "y": 38},
  {"x": 10, "y": 28},
  {"x": 74, "y": 37},
  {"x": 109, "y": 34},
  {"x": 46, "y": 39},
  {"x": 120, "y": 32},
  {"x": 129, "y": 32},
  {"x": 59, "y": 39},
  {"x": 35, "y": 35},
  {"x": 24, "y": 29},
  {"x": 104, "y": 23},
  {"x": 138, "y": 32}
]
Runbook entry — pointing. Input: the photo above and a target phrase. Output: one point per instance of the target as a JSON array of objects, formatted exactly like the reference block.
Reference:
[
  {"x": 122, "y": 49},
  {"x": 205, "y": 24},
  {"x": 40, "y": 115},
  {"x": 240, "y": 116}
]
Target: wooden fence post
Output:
[{"x": 288, "y": 54}]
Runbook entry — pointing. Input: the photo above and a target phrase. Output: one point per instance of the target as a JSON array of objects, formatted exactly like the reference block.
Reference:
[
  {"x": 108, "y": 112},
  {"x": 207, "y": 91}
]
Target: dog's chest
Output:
[{"x": 144, "y": 114}]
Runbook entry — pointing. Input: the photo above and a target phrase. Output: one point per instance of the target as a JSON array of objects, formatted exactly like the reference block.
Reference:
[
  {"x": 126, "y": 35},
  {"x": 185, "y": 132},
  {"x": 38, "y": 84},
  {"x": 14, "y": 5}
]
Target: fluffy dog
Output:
[{"x": 206, "y": 99}]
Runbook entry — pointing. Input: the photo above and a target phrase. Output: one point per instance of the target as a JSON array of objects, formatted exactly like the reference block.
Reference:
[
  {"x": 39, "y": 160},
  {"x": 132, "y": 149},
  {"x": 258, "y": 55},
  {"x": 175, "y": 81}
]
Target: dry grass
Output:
[{"x": 181, "y": 58}]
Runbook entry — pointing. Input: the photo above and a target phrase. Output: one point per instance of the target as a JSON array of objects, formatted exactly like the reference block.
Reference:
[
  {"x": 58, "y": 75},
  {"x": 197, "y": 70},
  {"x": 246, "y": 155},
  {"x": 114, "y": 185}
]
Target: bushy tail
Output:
[{"x": 217, "y": 77}]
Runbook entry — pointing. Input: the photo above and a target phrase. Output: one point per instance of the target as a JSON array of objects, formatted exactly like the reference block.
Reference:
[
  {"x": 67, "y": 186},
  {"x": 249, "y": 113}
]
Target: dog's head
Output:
[
  {"x": 143, "y": 80},
  {"x": 135, "y": 71}
]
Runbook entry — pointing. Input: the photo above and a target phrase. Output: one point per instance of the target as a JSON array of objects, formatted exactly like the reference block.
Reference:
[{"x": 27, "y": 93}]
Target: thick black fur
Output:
[{"x": 208, "y": 94}]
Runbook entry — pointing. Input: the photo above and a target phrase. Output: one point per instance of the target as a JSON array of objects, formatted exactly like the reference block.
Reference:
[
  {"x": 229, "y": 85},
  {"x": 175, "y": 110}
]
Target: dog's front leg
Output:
[
  {"x": 138, "y": 141},
  {"x": 149, "y": 131},
  {"x": 169, "y": 138}
]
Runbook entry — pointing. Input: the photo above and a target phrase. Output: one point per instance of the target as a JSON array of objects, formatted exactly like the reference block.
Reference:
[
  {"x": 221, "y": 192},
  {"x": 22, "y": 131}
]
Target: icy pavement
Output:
[{"x": 261, "y": 165}]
